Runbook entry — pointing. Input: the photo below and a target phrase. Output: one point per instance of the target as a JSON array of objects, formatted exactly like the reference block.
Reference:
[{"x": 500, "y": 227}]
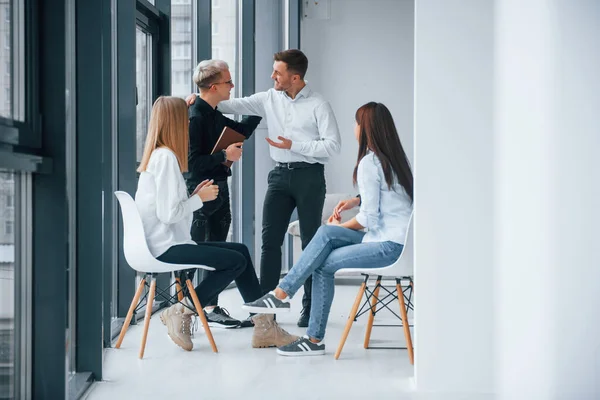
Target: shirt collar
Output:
[
  {"x": 202, "y": 106},
  {"x": 305, "y": 92}
]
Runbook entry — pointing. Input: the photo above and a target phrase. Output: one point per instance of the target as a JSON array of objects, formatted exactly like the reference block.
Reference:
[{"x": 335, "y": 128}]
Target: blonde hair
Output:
[
  {"x": 168, "y": 128},
  {"x": 208, "y": 72}
]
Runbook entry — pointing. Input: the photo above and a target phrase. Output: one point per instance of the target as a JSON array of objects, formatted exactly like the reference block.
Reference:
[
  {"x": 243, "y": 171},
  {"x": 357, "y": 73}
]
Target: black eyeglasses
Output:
[{"x": 229, "y": 82}]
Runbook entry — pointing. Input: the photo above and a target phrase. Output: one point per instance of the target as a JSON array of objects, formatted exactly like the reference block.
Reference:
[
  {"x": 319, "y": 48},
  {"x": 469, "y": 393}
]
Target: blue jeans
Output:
[{"x": 333, "y": 248}]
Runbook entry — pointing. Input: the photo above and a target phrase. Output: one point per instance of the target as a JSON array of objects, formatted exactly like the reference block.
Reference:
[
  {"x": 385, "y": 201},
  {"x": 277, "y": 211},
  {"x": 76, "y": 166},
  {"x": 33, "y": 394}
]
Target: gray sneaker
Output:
[
  {"x": 302, "y": 347},
  {"x": 268, "y": 304},
  {"x": 220, "y": 318}
]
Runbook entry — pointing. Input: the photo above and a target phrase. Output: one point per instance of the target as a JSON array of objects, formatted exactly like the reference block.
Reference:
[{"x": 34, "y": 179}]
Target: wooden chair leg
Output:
[
  {"x": 148, "y": 315},
  {"x": 132, "y": 307},
  {"x": 351, "y": 317},
  {"x": 374, "y": 301},
  {"x": 404, "y": 314},
  {"x": 201, "y": 315},
  {"x": 178, "y": 288}
]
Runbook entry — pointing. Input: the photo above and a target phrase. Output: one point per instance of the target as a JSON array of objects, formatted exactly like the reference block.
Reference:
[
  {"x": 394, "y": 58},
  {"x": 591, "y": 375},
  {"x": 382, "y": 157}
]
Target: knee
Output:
[{"x": 326, "y": 231}]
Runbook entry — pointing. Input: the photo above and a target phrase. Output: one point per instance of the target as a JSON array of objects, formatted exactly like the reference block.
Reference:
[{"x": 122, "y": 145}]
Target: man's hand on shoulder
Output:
[{"x": 191, "y": 99}]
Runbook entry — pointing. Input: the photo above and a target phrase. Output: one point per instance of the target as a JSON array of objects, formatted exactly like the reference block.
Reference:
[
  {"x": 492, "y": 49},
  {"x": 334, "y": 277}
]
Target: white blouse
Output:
[
  {"x": 163, "y": 202},
  {"x": 384, "y": 212}
]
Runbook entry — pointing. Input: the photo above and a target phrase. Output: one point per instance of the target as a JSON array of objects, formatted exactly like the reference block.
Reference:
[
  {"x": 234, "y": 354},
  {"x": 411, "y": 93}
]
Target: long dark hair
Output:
[{"x": 378, "y": 134}]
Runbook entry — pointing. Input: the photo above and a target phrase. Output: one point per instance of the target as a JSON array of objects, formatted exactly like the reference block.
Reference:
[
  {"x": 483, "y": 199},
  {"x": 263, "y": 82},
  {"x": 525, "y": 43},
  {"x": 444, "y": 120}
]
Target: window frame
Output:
[{"x": 24, "y": 135}]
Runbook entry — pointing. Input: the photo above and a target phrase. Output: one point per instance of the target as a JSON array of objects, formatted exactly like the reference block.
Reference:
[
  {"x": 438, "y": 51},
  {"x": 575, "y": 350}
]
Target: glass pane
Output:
[
  {"x": 143, "y": 55},
  {"x": 225, "y": 36},
  {"x": 181, "y": 47},
  {"x": 5, "y": 59},
  {"x": 225, "y": 46},
  {"x": 7, "y": 285}
]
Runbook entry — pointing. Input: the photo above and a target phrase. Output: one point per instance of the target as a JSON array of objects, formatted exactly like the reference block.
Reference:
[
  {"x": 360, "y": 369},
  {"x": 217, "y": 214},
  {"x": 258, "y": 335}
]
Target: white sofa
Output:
[{"x": 331, "y": 201}]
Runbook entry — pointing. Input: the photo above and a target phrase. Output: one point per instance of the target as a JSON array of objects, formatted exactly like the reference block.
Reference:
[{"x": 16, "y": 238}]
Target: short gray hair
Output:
[{"x": 208, "y": 72}]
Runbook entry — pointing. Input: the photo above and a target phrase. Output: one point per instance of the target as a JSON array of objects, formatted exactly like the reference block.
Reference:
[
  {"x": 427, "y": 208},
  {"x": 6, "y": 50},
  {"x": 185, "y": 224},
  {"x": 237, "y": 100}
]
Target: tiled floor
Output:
[{"x": 238, "y": 371}]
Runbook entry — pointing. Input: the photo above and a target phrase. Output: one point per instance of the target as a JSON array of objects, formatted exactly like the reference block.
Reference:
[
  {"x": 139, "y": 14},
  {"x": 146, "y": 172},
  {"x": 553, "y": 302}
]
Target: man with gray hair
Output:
[{"x": 211, "y": 222}]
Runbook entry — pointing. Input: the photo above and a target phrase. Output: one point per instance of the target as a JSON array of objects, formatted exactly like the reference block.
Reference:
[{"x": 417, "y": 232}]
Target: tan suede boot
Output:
[
  {"x": 178, "y": 326},
  {"x": 267, "y": 333}
]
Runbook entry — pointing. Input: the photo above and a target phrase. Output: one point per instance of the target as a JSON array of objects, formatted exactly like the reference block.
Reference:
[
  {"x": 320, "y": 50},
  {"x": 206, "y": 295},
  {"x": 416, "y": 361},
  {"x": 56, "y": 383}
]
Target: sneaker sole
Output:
[
  {"x": 217, "y": 325},
  {"x": 301, "y": 353},
  {"x": 264, "y": 310}
]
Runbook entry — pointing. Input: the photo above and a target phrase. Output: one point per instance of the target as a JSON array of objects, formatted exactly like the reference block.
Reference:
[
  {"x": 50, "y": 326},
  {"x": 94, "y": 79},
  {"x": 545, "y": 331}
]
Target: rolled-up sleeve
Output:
[
  {"x": 251, "y": 105},
  {"x": 329, "y": 142},
  {"x": 369, "y": 185}
]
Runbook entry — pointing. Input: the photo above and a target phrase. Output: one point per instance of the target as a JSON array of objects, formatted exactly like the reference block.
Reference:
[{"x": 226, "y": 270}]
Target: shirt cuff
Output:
[
  {"x": 193, "y": 203},
  {"x": 296, "y": 147},
  {"x": 221, "y": 156},
  {"x": 362, "y": 219}
]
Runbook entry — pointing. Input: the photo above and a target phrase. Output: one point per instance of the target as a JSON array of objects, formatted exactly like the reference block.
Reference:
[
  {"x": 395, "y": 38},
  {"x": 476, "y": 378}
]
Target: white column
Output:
[
  {"x": 547, "y": 170},
  {"x": 454, "y": 196}
]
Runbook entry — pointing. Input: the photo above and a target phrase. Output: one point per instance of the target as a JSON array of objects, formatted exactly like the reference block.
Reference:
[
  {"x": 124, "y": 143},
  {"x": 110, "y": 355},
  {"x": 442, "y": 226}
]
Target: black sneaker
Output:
[
  {"x": 247, "y": 323},
  {"x": 268, "y": 304},
  {"x": 304, "y": 317},
  {"x": 302, "y": 347},
  {"x": 220, "y": 318}
]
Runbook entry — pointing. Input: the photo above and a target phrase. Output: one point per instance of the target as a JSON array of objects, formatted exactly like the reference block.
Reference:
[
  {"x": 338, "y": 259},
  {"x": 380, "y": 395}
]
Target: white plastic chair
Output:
[
  {"x": 139, "y": 258},
  {"x": 401, "y": 271}
]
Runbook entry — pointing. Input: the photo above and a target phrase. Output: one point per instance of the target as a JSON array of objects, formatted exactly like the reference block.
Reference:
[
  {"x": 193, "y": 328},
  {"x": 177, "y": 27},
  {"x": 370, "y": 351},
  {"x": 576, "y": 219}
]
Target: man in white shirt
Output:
[{"x": 303, "y": 135}]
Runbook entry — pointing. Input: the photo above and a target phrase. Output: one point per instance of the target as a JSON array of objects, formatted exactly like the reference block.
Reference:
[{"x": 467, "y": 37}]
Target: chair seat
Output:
[
  {"x": 397, "y": 269},
  {"x": 158, "y": 267},
  {"x": 386, "y": 272}
]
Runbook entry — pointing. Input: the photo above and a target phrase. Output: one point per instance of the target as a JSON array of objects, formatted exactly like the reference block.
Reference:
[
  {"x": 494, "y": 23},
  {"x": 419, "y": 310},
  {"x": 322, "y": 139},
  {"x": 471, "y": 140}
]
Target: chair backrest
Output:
[
  {"x": 135, "y": 247},
  {"x": 404, "y": 266}
]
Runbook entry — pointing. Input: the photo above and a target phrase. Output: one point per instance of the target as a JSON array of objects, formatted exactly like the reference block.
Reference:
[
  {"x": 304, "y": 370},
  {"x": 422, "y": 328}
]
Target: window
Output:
[
  {"x": 13, "y": 15},
  {"x": 6, "y": 58},
  {"x": 8, "y": 227},
  {"x": 143, "y": 55},
  {"x": 7, "y": 295},
  {"x": 182, "y": 43},
  {"x": 225, "y": 46},
  {"x": 10, "y": 202}
]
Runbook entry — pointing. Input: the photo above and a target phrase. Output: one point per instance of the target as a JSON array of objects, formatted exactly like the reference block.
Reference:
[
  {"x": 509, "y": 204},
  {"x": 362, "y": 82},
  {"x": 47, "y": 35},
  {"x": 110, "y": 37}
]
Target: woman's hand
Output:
[
  {"x": 202, "y": 184},
  {"x": 333, "y": 220},
  {"x": 345, "y": 205},
  {"x": 208, "y": 192}
]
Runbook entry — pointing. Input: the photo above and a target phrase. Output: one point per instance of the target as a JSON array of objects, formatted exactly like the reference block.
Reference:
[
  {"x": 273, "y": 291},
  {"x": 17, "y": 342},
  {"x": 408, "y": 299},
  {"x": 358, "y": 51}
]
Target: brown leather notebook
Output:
[{"x": 227, "y": 138}]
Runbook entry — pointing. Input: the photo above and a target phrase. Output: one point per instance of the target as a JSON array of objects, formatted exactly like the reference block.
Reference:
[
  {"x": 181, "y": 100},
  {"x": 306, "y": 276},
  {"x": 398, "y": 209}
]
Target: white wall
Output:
[
  {"x": 453, "y": 235},
  {"x": 363, "y": 53},
  {"x": 507, "y": 134},
  {"x": 548, "y": 171}
]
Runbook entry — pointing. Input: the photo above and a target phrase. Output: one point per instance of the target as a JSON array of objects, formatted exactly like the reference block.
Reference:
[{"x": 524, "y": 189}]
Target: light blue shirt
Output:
[
  {"x": 384, "y": 212},
  {"x": 307, "y": 120}
]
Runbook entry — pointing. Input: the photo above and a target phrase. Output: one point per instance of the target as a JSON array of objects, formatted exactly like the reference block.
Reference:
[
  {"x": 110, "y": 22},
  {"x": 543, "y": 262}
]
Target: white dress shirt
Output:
[
  {"x": 384, "y": 212},
  {"x": 307, "y": 120},
  {"x": 163, "y": 202}
]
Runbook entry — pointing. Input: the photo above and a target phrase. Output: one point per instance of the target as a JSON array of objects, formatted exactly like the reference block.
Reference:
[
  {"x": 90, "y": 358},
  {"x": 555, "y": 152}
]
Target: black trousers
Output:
[
  {"x": 301, "y": 188},
  {"x": 231, "y": 262},
  {"x": 211, "y": 224}
]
